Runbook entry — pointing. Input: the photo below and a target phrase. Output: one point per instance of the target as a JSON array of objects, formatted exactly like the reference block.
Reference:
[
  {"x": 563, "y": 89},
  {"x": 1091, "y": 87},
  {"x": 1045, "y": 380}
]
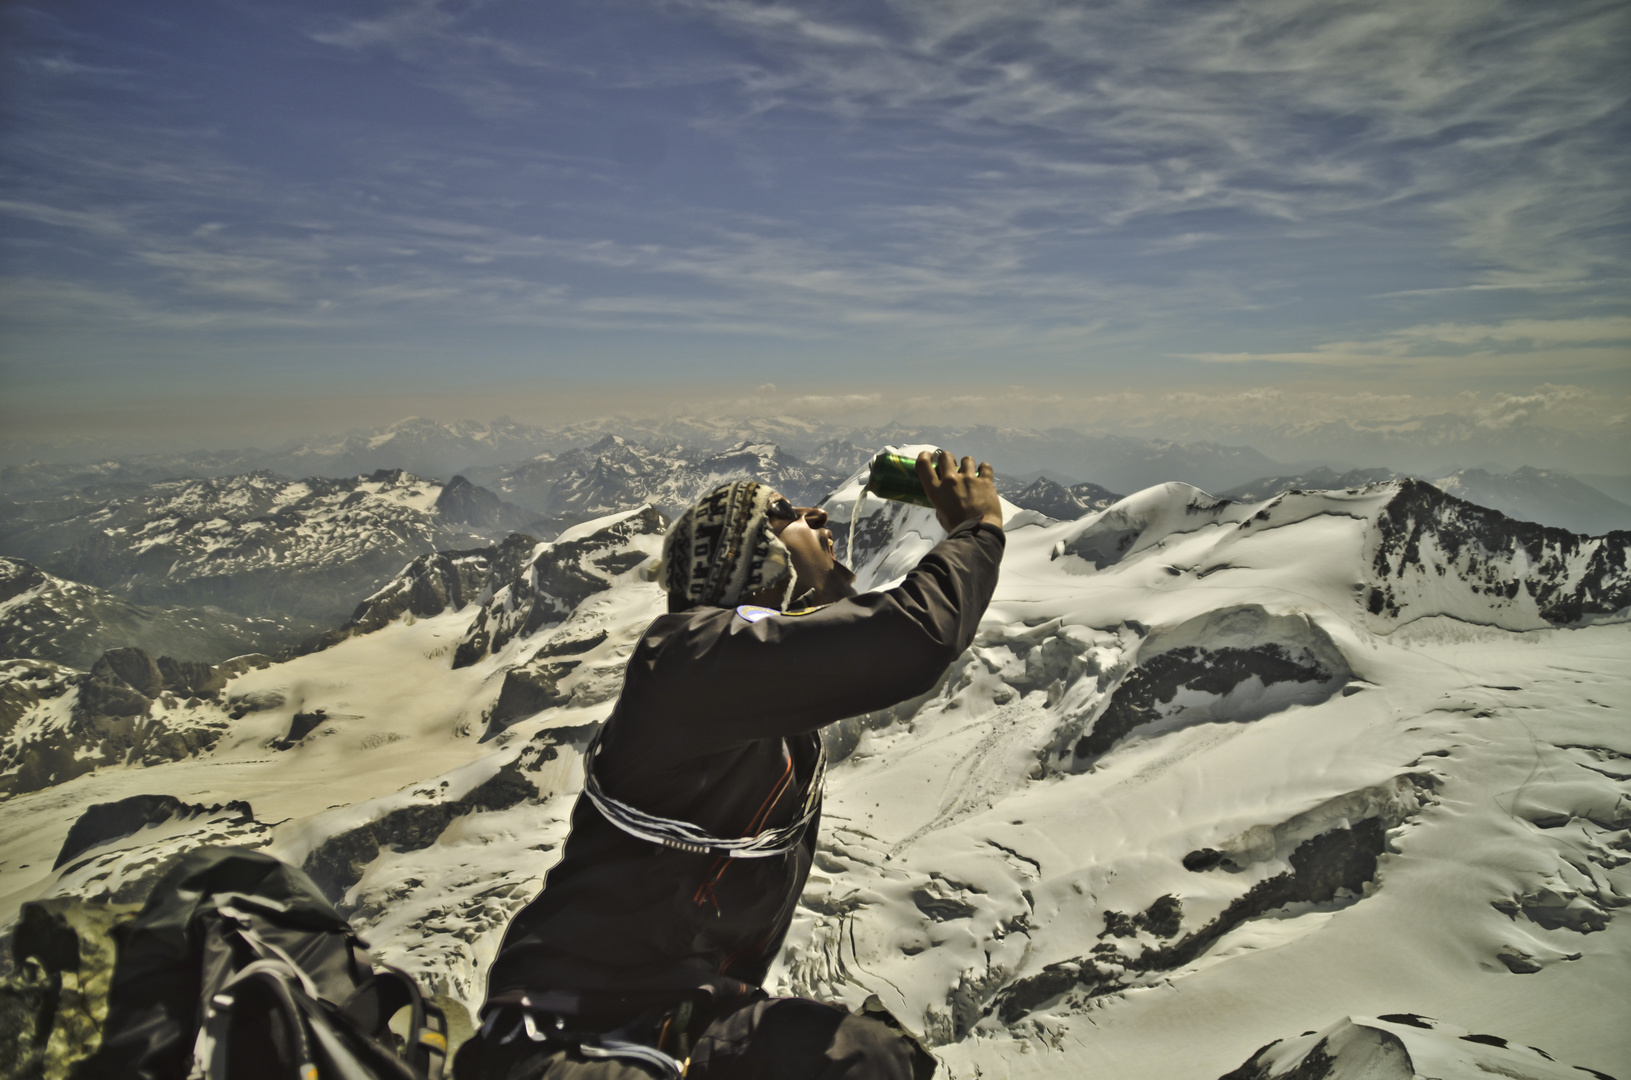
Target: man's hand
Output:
[{"x": 959, "y": 494}]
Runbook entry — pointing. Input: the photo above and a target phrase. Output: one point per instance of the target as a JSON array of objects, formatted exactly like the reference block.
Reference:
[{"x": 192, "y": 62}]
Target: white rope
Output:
[{"x": 684, "y": 836}]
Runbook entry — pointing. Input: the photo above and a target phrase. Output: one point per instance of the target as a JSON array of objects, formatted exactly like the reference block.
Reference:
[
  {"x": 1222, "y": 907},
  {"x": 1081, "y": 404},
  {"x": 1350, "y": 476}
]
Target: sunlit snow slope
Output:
[{"x": 1212, "y": 775}]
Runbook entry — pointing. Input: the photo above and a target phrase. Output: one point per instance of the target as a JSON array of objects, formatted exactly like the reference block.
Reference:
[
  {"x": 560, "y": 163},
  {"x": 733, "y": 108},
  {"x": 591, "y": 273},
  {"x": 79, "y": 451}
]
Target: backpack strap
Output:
[
  {"x": 426, "y": 1051},
  {"x": 277, "y": 981}
]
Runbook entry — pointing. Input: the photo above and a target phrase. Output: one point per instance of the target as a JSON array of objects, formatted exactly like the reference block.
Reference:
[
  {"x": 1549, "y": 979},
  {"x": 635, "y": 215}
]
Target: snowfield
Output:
[{"x": 1211, "y": 776}]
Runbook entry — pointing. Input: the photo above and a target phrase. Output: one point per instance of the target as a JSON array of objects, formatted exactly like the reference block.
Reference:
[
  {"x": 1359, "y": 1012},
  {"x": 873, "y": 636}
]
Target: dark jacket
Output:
[{"x": 717, "y": 725}]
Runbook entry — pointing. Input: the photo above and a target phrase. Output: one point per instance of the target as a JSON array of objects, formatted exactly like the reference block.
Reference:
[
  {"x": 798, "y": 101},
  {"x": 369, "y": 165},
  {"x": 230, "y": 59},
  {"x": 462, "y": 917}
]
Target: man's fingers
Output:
[
  {"x": 946, "y": 468},
  {"x": 968, "y": 466},
  {"x": 986, "y": 471},
  {"x": 926, "y": 474}
]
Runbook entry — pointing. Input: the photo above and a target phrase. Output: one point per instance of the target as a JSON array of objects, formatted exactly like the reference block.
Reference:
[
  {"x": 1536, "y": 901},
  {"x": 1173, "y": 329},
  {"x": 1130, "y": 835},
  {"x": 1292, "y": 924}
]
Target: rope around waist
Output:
[{"x": 685, "y": 836}]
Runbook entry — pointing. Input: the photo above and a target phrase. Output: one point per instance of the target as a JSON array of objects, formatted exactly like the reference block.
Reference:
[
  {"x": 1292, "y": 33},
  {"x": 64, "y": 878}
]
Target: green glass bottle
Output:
[{"x": 894, "y": 476}]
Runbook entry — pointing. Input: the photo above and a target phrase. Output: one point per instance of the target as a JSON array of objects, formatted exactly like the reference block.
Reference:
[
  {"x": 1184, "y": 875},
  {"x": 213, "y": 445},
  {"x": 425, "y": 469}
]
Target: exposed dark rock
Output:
[
  {"x": 560, "y": 577},
  {"x": 1487, "y": 1040},
  {"x": 571, "y": 646},
  {"x": 241, "y": 705},
  {"x": 437, "y": 582},
  {"x": 340, "y": 861},
  {"x": 24, "y": 684},
  {"x": 69, "y": 622},
  {"x": 1316, "y": 1065},
  {"x": 108, "y": 697},
  {"x": 301, "y": 725},
  {"x": 1408, "y": 1019},
  {"x": 158, "y": 743},
  {"x": 1103, "y": 547},
  {"x": 1162, "y": 918},
  {"x": 544, "y": 747},
  {"x": 191, "y": 678},
  {"x": 260, "y": 545},
  {"x": 1156, "y": 681},
  {"x": 529, "y": 690},
  {"x": 1054, "y": 499},
  {"x": 1321, "y": 867},
  {"x": 1557, "y": 910},
  {"x": 133, "y": 667},
  {"x": 1204, "y": 859},
  {"x": 941, "y": 908},
  {"x": 102, "y": 822},
  {"x": 466, "y": 504},
  {"x": 1570, "y": 577}
]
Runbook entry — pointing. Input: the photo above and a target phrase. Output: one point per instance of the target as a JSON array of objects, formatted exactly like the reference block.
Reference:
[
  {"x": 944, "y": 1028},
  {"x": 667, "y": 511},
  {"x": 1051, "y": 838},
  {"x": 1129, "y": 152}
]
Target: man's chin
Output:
[{"x": 838, "y": 583}]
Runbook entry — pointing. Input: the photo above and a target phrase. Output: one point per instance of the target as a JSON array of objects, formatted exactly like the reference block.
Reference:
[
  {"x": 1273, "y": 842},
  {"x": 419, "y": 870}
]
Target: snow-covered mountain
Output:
[
  {"x": 44, "y": 617},
  {"x": 414, "y": 444},
  {"x": 256, "y": 544},
  {"x": 1057, "y": 501},
  {"x": 1213, "y": 774},
  {"x": 1318, "y": 479},
  {"x": 1545, "y": 496}
]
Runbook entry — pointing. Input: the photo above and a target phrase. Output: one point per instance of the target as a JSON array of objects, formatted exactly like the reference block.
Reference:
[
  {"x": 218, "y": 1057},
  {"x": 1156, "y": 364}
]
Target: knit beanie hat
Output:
[{"x": 723, "y": 549}]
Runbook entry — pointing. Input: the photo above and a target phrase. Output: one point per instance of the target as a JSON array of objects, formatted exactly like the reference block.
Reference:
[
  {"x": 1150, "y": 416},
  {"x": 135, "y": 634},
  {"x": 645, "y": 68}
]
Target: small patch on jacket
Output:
[{"x": 754, "y": 613}]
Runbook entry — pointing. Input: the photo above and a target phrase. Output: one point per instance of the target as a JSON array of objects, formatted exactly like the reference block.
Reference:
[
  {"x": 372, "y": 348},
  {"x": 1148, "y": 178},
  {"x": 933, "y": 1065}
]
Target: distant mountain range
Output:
[
  {"x": 434, "y": 449},
  {"x": 616, "y": 474},
  {"x": 548, "y": 470},
  {"x": 256, "y": 544}
]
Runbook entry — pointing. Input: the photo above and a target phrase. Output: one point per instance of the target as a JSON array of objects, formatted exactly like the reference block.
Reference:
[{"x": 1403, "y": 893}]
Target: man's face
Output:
[{"x": 810, "y": 543}]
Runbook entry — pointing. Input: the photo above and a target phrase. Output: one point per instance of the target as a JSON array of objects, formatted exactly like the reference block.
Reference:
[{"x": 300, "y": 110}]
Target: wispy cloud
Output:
[{"x": 1058, "y": 185}]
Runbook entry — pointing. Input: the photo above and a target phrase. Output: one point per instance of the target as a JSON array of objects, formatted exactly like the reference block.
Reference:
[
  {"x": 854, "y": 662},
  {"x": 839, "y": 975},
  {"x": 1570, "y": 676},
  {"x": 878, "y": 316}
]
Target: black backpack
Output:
[{"x": 238, "y": 968}]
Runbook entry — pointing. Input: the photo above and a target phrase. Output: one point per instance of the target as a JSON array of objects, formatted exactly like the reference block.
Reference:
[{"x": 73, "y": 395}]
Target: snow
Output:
[{"x": 968, "y": 847}]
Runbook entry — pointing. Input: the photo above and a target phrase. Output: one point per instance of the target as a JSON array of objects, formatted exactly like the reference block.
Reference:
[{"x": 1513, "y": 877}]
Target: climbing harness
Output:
[{"x": 693, "y": 839}]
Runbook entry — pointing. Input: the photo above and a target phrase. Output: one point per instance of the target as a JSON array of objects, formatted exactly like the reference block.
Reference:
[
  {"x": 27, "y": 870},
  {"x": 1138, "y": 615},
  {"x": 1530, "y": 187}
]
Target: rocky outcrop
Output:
[
  {"x": 1513, "y": 573},
  {"x": 437, "y": 582},
  {"x": 559, "y": 577},
  {"x": 463, "y": 503},
  {"x": 104, "y": 822},
  {"x": 1321, "y": 867},
  {"x": 128, "y": 709},
  {"x": 339, "y": 862},
  {"x": 1054, "y": 499},
  {"x": 1331, "y": 851},
  {"x": 1146, "y": 695},
  {"x": 1231, "y": 665},
  {"x": 1402, "y": 1046}
]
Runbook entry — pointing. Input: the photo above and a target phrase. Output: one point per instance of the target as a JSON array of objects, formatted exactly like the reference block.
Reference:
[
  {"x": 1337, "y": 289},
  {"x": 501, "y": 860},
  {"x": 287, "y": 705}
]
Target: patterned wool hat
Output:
[{"x": 723, "y": 549}]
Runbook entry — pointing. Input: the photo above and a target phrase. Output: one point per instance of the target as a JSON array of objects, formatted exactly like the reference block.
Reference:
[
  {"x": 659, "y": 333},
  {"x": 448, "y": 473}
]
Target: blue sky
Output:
[{"x": 345, "y": 209}]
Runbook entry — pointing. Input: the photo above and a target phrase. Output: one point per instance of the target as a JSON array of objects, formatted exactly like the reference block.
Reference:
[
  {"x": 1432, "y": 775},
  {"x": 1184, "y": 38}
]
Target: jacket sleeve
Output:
[{"x": 710, "y": 679}]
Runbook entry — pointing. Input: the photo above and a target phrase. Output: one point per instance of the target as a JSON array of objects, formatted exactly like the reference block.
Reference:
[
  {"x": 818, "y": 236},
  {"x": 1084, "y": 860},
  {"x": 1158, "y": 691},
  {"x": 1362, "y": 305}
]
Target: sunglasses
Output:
[{"x": 781, "y": 510}]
